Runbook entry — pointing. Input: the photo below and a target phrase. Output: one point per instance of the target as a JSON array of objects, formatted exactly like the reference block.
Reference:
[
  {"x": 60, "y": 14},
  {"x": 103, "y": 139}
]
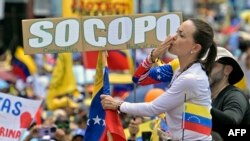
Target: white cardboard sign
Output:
[
  {"x": 16, "y": 115},
  {"x": 90, "y": 33}
]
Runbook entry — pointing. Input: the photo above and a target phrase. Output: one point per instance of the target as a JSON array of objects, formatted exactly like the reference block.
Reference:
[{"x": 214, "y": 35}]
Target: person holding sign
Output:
[{"x": 194, "y": 38}]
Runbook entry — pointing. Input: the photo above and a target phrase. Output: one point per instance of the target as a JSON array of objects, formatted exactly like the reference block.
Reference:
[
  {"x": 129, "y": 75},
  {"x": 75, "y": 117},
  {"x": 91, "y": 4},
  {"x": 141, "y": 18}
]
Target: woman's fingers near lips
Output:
[{"x": 170, "y": 43}]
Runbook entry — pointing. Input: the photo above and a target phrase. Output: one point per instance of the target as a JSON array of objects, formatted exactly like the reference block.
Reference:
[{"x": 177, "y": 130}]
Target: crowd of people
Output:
[{"x": 203, "y": 74}]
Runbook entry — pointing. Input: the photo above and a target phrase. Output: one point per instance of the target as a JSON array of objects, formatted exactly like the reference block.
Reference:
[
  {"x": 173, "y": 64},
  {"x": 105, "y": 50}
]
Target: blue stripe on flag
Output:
[
  {"x": 198, "y": 119},
  {"x": 96, "y": 121}
]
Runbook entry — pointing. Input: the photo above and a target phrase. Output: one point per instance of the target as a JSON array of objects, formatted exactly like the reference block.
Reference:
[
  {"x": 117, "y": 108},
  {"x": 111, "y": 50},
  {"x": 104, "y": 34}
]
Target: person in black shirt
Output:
[{"x": 230, "y": 107}]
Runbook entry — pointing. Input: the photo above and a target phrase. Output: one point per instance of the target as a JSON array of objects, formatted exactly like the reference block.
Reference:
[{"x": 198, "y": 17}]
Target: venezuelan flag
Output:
[
  {"x": 100, "y": 121},
  {"x": 23, "y": 65},
  {"x": 96, "y": 122},
  {"x": 197, "y": 118}
]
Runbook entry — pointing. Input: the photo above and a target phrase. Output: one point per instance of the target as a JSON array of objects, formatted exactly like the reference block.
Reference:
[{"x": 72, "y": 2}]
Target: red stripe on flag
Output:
[
  {"x": 117, "y": 60},
  {"x": 197, "y": 128},
  {"x": 90, "y": 59},
  {"x": 19, "y": 72},
  {"x": 114, "y": 126}
]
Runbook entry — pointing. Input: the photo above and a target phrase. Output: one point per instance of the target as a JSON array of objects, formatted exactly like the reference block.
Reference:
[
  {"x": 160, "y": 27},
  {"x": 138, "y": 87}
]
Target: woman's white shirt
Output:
[{"x": 194, "y": 84}]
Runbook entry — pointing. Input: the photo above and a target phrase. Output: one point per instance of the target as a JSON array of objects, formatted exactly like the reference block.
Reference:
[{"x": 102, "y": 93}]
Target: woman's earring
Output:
[{"x": 191, "y": 52}]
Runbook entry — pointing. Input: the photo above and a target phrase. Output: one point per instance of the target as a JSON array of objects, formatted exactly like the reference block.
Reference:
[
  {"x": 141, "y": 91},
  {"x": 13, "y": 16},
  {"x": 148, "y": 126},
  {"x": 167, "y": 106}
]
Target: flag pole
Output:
[
  {"x": 134, "y": 84},
  {"x": 183, "y": 118}
]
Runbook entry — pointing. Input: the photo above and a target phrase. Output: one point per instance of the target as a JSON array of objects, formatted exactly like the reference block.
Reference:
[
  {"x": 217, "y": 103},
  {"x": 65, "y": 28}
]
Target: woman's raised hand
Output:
[{"x": 164, "y": 46}]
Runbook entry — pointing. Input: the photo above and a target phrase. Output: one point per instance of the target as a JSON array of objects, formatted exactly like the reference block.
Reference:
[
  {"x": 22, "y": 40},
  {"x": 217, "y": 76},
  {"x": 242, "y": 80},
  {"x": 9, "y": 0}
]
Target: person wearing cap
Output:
[{"x": 230, "y": 107}]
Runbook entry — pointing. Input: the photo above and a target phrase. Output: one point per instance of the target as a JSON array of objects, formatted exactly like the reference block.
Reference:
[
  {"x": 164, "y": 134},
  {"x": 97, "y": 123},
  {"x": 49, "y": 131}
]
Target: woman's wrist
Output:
[
  {"x": 152, "y": 58},
  {"x": 119, "y": 106}
]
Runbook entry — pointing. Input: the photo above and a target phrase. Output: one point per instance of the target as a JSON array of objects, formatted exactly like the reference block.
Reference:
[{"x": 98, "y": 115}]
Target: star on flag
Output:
[{"x": 96, "y": 120}]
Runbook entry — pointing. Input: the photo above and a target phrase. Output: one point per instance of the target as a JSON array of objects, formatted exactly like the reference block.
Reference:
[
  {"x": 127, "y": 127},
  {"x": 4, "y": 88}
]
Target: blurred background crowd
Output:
[{"x": 65, "y": 81}]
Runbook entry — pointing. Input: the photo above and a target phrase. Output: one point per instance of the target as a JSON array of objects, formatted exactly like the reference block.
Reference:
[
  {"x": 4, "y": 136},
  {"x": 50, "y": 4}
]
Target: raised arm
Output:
[{"x": 146, "y": 74}]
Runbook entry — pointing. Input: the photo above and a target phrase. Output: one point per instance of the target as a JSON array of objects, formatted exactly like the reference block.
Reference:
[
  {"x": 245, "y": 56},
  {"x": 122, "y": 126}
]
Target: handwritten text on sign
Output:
[
  {"x": 98, "y": 33},
  {"x": 16, "y": 115}
]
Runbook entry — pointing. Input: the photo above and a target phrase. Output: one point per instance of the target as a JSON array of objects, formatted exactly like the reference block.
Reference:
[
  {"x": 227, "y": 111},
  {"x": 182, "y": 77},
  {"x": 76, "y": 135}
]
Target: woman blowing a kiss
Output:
[{"x": 192, "y": 41}]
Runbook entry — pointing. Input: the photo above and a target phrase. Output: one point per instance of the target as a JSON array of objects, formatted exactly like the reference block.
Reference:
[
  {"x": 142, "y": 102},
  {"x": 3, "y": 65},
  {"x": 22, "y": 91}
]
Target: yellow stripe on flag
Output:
[
  {"x": 117, "y": 78},
  {"x": 26, "y": 59},
  {"x": 197, "y": 110},
  {"x": 99, "y": 74}
]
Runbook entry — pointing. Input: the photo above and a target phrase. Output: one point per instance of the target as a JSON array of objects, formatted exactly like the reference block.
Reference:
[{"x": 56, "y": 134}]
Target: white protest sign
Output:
[
  {"x": 89, "y": 33},
  {"x": 16, "y": 115}
]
